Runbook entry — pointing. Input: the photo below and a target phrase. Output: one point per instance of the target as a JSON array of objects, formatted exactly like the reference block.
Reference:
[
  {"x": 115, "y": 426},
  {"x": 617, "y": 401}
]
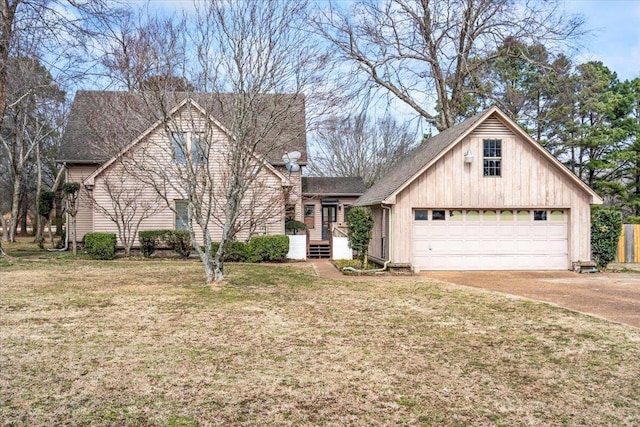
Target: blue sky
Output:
[{"x": 615, "y": 39}]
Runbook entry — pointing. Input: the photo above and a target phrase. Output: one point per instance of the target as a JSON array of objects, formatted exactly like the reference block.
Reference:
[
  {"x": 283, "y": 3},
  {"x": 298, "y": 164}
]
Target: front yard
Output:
[{"x": 144, "y": 343}]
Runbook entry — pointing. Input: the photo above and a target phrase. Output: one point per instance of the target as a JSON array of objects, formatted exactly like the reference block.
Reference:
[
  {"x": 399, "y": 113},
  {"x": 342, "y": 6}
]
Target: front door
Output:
[{"x": 329, "y": 213}]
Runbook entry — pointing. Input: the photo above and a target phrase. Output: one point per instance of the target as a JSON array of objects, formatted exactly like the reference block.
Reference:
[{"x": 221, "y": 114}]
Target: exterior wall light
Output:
[{"x": 468, "y": 157}]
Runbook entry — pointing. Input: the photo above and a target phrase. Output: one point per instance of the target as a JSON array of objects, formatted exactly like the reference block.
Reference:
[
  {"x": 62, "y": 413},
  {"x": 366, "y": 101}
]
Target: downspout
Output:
[{"x": 386, "y": 262}]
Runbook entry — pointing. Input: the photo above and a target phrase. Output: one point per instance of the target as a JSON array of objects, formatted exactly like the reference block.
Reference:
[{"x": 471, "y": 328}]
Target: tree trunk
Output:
[
  {"x": 58, "y": 215},
  {"x": 15, "y": 206},
  {"x": 38, "y": 224},
  {"x": 23, "y": 222},
  {"x": 73, "y": 235},
  {"x": 50, "y": 233},
  {"x": 5, "y": 229}
]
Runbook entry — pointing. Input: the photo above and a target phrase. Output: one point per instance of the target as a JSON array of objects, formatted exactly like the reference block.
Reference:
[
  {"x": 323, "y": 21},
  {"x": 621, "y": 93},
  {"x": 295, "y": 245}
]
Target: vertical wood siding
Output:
[
  {"x": 528, "y": 180},
  {"x": 375, "y": 245}
]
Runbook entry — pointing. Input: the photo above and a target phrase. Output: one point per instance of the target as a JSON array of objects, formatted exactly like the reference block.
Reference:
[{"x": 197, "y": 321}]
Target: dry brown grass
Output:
[{"x": 143, "y": 343}]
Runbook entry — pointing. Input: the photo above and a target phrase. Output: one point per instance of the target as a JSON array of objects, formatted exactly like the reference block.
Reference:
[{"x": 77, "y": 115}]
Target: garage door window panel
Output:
[
  {"x": 506, "y": 216},
  {"x": 438, "y": 215},
  {"x": 421, "y": 215},
  {"x": 455, "y": 215},
  {"x": 489, "y": 215},
  {"x": 539, "y": 215},
  {"x": 473, "y": 215},
  {"x": 557, "y": 216},
  {"x": 524, "y": 215}
]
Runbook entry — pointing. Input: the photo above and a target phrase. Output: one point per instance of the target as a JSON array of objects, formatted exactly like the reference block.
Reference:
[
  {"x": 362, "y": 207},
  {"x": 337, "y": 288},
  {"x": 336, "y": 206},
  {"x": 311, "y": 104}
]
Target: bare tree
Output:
[
  {"x": 42, "y": 43},
  {"x": 125, "y": 204},
  {"x": 254, "y": 69},
  {"x": 26, "y": 126},
  {"x": 360, "y": 147},
  {"x": 71, "y": 192},
  {"x": 422, "y": 52}
]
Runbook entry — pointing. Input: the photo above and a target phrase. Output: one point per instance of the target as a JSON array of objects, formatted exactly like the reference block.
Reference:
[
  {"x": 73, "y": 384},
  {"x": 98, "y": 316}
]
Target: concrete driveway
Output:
[{"x": 613, "y": 296}]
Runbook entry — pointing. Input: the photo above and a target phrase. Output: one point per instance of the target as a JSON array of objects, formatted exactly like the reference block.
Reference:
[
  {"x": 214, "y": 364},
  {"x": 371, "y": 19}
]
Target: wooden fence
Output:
[{"x": 629, "y": 244}]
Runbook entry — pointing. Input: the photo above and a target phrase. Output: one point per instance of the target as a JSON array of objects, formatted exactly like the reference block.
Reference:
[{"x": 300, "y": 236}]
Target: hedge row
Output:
[
  {"x": 100, "y": 245},
  {"x": 258, "y": 249},
  {"x": 178, "y": 241}
]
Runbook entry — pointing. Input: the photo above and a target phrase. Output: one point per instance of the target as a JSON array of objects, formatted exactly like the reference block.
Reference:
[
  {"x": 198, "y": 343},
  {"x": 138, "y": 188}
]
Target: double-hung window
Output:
[
  {"x": 181, "y": 215},
  {"x": 492, "y": 156},
  {"x": 194, "y": 143}
]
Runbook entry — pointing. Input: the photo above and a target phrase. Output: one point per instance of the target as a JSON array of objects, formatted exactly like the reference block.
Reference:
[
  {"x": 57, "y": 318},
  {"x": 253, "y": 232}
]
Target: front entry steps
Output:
[{"x": 319, "y": 250}]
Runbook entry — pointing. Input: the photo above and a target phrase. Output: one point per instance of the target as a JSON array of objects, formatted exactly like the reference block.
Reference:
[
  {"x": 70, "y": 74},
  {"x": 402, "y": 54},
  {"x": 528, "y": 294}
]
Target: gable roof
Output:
[
  {"x": 186, "y": 102},
  {"x": 333, "y": 186},
  {"x": 101, "y": 120},
  {"x": 414, "y": 163}
]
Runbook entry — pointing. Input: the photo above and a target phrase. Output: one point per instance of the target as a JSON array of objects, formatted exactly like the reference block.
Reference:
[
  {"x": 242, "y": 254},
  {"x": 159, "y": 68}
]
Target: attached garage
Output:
[
  {"x": 490, "y": 239},
  {"x": 481, "y": 195}
]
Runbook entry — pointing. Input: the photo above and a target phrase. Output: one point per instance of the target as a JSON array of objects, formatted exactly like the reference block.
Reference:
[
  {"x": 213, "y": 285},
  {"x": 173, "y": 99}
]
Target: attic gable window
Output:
[
  {"x": 193, "y": 142},
  {"x": 492, "y": 156}
]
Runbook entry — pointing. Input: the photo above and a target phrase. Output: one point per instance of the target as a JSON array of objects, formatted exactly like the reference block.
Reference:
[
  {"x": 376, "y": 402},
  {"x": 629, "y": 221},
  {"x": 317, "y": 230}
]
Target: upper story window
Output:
[
  {"x": 194, "y": 143},
  {"x": 492, "y": 156}
]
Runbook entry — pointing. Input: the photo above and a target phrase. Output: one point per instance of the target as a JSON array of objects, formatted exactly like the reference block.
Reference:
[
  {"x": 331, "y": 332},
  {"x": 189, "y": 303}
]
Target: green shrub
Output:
[
  {"x": 268, "y": 248},
  {"x": 46, "y": 203},
  {"x": 293, "y": 226},
  {"x": 100, "y": 245},
  {"x": 150, "y": 240},
  {"x": 633, "y": 220},
  {"x": 606, "y": 225},
  {"x": 179, "y": 241},
  {"x": 236, "y": 251},
  {"x": 360, "y": 221}
]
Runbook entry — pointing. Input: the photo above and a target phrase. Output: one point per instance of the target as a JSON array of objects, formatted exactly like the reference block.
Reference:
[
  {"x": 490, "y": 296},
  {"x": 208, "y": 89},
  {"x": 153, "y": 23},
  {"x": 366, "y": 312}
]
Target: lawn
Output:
[{"x": 143, "y": 343}]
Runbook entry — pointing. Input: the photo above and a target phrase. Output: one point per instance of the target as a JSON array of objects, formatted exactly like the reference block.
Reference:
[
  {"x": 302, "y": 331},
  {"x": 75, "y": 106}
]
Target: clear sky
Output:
[{"x": 615, "y": 39}]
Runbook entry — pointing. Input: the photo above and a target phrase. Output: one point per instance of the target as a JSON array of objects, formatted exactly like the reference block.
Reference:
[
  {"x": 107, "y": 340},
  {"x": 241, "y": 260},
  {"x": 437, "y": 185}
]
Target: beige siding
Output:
[
  {"x": 375, "y": 246},
  {"x": 528, "y": 180},
  {"x": 263, "y": 202},
  {"x": 84, "y": 217},
  {"x": 315, "y": 234}
]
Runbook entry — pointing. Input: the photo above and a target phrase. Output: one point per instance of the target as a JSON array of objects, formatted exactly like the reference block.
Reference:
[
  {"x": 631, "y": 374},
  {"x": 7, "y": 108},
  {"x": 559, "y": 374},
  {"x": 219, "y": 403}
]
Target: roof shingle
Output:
[
  {"x": 414, "y": 161},
  {"x": 333, "y": 186},
  {"x": 101, "y": 120}
]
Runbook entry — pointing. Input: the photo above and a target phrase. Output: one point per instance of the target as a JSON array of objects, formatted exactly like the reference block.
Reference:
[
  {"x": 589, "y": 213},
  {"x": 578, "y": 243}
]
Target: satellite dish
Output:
[{"x": 291, "y": 161}]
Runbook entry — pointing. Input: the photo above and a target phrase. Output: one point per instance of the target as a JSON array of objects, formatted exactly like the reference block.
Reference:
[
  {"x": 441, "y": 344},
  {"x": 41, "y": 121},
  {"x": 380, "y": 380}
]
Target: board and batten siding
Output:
[
  {"x": 84, "y": 216},
  {"x": 528, "y": 180},
  {"x": 155, "y": 152},
  {"x": 377, "y": 232}
]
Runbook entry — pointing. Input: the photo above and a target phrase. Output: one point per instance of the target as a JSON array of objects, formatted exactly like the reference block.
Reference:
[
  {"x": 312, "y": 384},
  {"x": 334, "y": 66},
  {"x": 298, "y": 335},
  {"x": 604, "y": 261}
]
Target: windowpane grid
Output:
[{"x": 492, "y": 153}]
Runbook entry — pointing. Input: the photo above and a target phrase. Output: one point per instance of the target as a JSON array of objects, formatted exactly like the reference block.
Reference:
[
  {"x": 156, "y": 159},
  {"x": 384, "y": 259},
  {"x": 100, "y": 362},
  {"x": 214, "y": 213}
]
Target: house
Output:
[
  {"x": 326, "y": 201},
  {"x": 482, "y": 195},
  {"x": 131, "y": 141}
]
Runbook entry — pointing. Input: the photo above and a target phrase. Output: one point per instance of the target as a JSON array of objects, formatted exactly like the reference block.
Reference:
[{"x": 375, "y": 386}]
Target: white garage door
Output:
[{"x": 518, "y": 239}]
